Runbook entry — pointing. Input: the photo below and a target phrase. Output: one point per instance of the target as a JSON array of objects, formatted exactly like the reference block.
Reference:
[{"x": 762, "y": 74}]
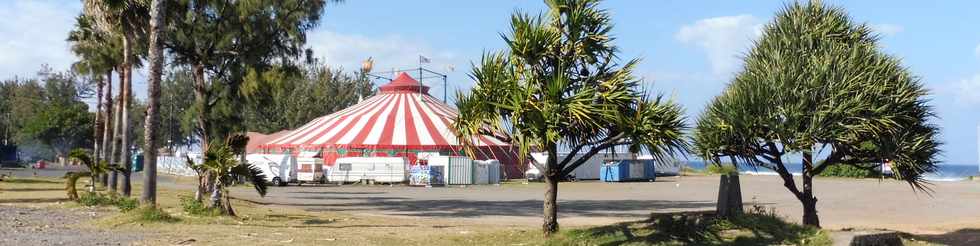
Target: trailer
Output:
[
  {"x": 310, "y": 168},
  {"x": 373, "y": 169},
  {"x": 279, "y": 169}
]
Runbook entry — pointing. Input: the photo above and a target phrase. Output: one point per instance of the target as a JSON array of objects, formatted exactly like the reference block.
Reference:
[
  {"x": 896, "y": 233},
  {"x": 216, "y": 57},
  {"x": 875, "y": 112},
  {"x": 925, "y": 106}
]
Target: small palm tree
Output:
[
  {"x": 95, "y": 169},
  {"x": 224, "y": 170}
]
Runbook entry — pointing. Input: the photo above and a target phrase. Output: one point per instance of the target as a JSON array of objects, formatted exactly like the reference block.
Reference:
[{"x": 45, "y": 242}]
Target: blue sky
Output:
[{"x": 689, "y": 49}]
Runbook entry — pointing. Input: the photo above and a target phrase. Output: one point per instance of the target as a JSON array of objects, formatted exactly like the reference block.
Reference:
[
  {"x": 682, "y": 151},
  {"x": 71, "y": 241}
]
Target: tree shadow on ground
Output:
[
  {"x": 32, "y": 189},
  {"x": 697, "y": 228},
  {"x": 34, "y": 200},
  {"x": 969, "y": 236},
  {"x": 459, "y": 208}
]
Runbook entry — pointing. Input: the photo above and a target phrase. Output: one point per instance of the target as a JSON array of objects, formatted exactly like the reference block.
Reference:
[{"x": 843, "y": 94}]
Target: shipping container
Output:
[
  {"x": 628, "y": 170},
  {"x": 458, "y": 169}
]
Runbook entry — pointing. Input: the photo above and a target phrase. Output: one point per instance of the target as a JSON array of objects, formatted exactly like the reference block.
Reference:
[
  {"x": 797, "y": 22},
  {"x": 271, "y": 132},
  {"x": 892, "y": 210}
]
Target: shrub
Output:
[
  {"x": 195, "y": 207},
  {"x": 124, "y": 204},
  {"x": 721, "y": 169},
  {"x": 848, "y": 171}
]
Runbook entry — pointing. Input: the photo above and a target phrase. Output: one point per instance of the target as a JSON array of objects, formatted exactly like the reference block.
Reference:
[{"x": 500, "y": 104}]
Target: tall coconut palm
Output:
[
  {"x": 98, "y": 55},
  {"x": 816, "y": 86},
  {"x": 149, "y": 195},
  {"x": 559, "y": 87},
  {"x": 128, "y": 18}
]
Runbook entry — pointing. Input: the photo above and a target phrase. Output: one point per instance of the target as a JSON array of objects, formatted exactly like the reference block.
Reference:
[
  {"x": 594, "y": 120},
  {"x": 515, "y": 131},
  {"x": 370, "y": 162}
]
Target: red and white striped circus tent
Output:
[{"x": 402, "y": 120}]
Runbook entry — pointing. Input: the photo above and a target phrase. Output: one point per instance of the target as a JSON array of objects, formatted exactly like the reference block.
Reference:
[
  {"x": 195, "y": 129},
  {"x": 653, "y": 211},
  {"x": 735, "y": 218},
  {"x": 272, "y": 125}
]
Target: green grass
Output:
[{"x": 14, "y": 180}]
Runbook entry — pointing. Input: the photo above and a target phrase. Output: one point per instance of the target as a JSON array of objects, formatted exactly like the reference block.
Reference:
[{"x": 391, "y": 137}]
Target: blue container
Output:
[{"x": 627, "y": 170}]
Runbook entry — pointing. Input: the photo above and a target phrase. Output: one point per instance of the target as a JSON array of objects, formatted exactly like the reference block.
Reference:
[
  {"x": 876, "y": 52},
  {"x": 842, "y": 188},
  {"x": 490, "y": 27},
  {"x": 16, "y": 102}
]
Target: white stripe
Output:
[
  {"x": 420, "y": 129},
  {"x": 375, "y": 126},
  {"x": 437, "y": 122},
  {"x": 399, "y": 137},
  {"x": 302, "y": 137},
  {"x": 343, "y": 124},
  {"x": 381, "y": 123}
]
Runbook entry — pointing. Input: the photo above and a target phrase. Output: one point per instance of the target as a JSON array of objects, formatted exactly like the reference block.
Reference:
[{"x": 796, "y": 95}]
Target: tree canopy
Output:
[
  {"x": 817, "y": 85},
  {"x": 559, "y": 84}
]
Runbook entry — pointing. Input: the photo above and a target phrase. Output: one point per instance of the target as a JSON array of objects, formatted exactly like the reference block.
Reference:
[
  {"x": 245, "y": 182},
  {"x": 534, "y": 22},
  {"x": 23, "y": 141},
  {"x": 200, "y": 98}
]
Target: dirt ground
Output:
[
  {"x": 383, "y": 214},
  {"x": 843, "y": 203}
]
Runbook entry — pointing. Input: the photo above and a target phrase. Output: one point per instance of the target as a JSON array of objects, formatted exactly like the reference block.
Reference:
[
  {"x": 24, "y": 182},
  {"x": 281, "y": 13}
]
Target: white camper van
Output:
[
  {"x": 279, "y": 169},
  {"x": 377, "y": 169},
  {"x": 309, "y": 168}
]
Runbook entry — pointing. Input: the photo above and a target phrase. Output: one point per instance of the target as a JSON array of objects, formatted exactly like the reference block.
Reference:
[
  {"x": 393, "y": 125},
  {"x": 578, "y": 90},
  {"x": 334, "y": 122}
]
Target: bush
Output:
[
  {"x": 848, "y": 171},
  {"x": 195, "y": 207},
  {"x": 721, "y": 169},
  {"x": 152, "y": 214},
  {"x": 124, "y": 204}
]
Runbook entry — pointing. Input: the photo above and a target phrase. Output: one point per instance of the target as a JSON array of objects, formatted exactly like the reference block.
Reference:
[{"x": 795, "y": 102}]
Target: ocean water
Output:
[{"x": 946, "y": 172}]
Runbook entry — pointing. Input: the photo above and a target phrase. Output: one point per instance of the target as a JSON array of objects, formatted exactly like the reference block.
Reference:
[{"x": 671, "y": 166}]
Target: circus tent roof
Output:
[{"x": 402, "y": 116}]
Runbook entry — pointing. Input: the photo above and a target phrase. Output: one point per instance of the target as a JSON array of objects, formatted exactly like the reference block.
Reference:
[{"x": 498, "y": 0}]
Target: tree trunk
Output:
[
  {"x": 107, "y": 125},
  {"x": 127, "y": 91},
  {"x": 116, "y": 128},
  {"x": 149, "y": 197},
  {"x": 201, "y": 100},
  {"x": 551, "y": 178},
  {"x": 96, "y": 144},
  {"x": 809, "y": 201}
]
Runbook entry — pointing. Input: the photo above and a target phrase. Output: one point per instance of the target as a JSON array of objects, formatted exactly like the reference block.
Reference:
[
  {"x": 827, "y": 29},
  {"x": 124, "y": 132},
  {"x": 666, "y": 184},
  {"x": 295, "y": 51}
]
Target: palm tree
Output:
[
  {"x": 98, "y": 55},
  {"x": 95, "y": 169},
  {"x": 128, "y": 19},
  {"x": 815, "y": 84},
  {"x": 149, "y": 195},
  {"x": 560, "y": 87},
  {"x": 225, "y": 169}
]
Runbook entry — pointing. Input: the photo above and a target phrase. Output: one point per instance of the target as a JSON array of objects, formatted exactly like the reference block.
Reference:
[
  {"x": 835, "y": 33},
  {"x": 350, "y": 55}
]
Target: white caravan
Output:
[
  {"x": 279, "y": 169},
  {"x": 377, "y": 169},
  {"x": 309, "y": 168}
]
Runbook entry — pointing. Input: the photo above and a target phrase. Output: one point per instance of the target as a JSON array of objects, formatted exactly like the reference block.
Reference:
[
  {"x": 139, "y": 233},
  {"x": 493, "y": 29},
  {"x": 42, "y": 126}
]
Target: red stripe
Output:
[
  {"x": 333, "y": 140},
  {"x": 411, "y": 135},
  {"x": 387, "y": 135},
  {"x": 322, "y": 130},
  {"x": 359, "y": 139}
]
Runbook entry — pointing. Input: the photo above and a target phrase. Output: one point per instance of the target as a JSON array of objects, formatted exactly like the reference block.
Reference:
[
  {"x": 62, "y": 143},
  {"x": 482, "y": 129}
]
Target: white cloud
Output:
[
  {"x": 723, "y": 39},
  {"x": 887, "y": 29},
  {"x": 968, "y": 90},
  {"x": 33, "y": 34},
  {"x": 388, "y": 52}
]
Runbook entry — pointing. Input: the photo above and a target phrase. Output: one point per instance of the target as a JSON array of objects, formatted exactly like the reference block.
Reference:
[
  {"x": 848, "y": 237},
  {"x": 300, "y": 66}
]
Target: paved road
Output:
[{"x": 842, "y": 202}]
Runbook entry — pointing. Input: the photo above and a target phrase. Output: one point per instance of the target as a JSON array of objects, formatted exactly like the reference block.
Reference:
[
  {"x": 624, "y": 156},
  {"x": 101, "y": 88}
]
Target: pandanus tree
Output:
[
  {"x": 128, "y": 19},
  {"x": 559, "y": 86},
  {"x": 816, "y": 86}
]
